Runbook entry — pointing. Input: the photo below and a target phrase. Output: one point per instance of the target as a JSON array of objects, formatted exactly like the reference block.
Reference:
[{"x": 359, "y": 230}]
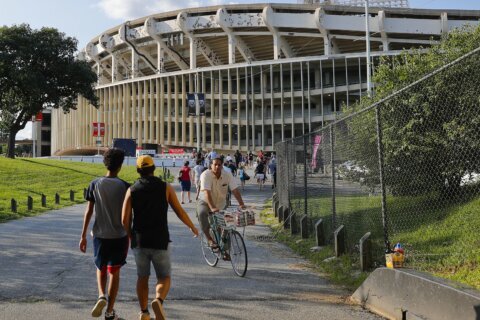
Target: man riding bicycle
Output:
[{"x": 214, "y": 185}]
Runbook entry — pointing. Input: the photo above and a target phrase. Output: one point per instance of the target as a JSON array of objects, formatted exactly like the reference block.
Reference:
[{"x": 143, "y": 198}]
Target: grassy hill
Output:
[{"x": 23, "y": 177}]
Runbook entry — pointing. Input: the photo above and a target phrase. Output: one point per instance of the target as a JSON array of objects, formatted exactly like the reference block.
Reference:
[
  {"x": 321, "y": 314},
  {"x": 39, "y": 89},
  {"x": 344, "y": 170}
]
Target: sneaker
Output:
[
  {"x": 98, "y": 308},
  {"x": 158, "y": 310},
  {"x": 111, "y": 315},
  {"x": 144, "y": 315}
]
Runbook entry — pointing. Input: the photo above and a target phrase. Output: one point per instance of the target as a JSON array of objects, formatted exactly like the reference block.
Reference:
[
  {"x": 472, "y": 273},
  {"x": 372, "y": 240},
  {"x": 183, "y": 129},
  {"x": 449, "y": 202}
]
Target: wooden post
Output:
[
  {"x": 280, "y": 213},
  {"x": 286, "y": 218},
  {"x": 57, "y": 198},
  {"x": 72, "y": 195}
]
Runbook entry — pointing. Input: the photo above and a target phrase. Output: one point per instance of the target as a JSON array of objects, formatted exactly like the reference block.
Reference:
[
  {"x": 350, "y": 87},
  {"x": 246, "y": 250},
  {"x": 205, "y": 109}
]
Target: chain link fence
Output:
[{"x": 396, "y": 169}]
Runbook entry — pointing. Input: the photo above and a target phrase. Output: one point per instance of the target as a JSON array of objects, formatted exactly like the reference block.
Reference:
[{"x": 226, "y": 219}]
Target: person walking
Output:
[
  {"x": 197, "y": 171},
  {"x": 242, "y": 174},
  {"x": 185, "y": 176},
  {"x": 260, "y": 172},
  {"x": 110, "y": 242},
  {"x": 144, "y": 217}
]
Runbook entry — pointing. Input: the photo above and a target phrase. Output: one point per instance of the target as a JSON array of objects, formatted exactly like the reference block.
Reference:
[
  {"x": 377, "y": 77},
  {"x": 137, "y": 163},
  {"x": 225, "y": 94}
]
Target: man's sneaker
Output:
[
  {"x": 111, "y": 315},
  {"x": 144, "y": 315},
  {"x": 158, "y": 310},
  {"x": 98, "y": 308}
]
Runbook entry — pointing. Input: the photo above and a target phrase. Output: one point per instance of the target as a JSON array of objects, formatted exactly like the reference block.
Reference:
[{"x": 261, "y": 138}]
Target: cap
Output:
[{"x": 144, "y": 162}]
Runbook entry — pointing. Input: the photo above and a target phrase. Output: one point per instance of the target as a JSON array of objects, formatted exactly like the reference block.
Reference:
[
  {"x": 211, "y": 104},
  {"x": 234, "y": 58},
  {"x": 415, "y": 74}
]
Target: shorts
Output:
[
  {"x": 110, "y": 254},
  {"x": 260, "y": 176},
  {"x": 186, "y": 185},
  {"x": 159, "y": 258}
]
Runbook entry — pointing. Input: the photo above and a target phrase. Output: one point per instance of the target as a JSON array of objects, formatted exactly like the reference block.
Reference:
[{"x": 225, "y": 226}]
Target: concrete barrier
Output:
[{"x": 407, "y": 294}]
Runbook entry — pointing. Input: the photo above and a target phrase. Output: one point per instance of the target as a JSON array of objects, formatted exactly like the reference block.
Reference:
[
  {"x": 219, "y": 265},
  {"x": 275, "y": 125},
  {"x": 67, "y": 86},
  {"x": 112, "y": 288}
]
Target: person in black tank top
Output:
[{"x": 144, "y": 217}]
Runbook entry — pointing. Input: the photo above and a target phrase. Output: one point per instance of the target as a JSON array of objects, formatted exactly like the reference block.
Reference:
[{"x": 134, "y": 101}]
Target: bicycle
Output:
[{"x": 230, "y": 242}]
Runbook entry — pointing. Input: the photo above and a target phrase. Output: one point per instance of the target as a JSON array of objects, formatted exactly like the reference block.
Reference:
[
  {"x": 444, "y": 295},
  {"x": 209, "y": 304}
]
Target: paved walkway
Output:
[{"x": 43, "y": 275}]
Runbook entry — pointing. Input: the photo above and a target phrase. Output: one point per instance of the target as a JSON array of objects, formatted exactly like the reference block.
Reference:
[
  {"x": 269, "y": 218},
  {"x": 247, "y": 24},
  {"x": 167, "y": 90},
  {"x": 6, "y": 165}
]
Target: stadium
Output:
[{"x": 268, "y": 72}]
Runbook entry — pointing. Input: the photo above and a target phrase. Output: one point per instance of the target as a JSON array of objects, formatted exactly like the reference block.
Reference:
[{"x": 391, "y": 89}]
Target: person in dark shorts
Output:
[
  {"x": 185, "y": 180},
  {"x": 147, "y": 228},
  {"x": 110, "y": 242}
]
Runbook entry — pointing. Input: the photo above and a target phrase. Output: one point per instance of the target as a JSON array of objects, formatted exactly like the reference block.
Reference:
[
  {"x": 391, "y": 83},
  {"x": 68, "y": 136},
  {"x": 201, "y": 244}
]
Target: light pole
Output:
[{"x": 367, "y": 40}]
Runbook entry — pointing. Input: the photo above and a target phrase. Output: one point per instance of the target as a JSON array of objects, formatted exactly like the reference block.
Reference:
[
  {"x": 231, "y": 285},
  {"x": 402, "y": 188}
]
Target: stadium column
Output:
[
  {"x": 184, "y": 114},
  {"x": 169, "y": 110},
  {"x": 146, "y": 111},
  {"x": 193, "y": 53},
  {"x": 220, "y": 108},
  {"x": 292, "y": 105},
  {"x": 151, "y": 100},
  {"x": 176, "y": 119},
  {"x": 138, "y": 113},
  {"x": 229, "y": 107},
  {"x": 272, "y": 108},
  {"x": 231, "y": 48},
  {"x": 282, "y": 102},
  {"x": 238, "y": 105},
  {"x": 161, "y": 111},
  {"x": 128, "y": 107},
  {"x": 204, "y": 119},
  {"x": 134, "y": 110}
]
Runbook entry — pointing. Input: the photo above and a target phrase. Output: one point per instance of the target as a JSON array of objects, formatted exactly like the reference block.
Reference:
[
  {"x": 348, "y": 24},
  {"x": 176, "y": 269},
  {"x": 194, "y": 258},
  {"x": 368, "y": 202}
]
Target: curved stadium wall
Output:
[{"x": 269, "y": 72}]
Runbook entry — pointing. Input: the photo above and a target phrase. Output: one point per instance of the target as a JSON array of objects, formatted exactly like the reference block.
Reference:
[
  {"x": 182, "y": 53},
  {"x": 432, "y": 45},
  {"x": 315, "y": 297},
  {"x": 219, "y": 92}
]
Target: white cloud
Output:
[
  {"x": 25, "y": 133},
  {"x": 132, "y": 9}
]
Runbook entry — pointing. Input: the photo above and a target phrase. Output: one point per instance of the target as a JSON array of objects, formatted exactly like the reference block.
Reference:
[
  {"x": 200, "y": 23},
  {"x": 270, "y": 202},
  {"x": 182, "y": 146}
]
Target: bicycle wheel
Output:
[
  {"x": 210, "y": 257},
  {"x": 238, "y": 253}
]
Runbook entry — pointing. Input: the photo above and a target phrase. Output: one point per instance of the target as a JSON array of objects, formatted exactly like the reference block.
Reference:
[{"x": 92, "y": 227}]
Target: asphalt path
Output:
[{"x": 43, "y": 275}]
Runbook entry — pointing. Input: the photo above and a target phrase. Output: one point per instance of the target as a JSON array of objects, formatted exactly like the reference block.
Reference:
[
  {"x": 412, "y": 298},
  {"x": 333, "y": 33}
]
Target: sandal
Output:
[
  {"x": 226, "y": 257},
  {"x": 98, "y": 308},
  {"x": 213, "y": 246}
]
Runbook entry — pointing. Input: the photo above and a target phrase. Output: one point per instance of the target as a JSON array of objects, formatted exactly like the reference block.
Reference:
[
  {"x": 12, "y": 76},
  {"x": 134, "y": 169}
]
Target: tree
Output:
[
  {"x": 38, "y": 70},
  {"x": 430, "y": 131}
]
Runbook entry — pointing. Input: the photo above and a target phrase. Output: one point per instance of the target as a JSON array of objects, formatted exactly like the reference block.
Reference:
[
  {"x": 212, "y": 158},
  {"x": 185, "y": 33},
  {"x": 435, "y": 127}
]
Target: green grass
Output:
[
  {"x": 342, "y": 271},
  {"x": 23, "y": 177},
  {"x": 440, "y": 237}
]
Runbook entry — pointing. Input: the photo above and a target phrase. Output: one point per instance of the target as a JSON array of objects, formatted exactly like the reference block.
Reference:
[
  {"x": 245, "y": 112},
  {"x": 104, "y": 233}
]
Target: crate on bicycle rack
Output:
[{"x": 244, "y": 218}]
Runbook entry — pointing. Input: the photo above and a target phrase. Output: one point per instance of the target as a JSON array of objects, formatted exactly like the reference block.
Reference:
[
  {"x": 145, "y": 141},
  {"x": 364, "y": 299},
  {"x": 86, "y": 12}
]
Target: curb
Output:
[{"x": 406, "y": 294}]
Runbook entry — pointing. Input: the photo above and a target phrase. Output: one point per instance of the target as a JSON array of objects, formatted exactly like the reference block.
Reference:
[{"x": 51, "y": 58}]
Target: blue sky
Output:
[{"x": 86, "y": 19}]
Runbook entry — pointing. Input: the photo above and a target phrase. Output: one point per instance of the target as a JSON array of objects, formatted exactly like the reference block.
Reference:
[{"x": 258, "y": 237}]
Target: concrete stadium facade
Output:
[{"x": 269, "y": 72}]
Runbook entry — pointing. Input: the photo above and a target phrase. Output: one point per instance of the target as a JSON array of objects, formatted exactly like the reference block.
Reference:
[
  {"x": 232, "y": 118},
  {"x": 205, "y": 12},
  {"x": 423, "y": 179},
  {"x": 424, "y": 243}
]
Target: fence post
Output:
[
  {"x": 286, "y": 217},
  {"x": 13, "y": 205},
  {"x": 85, "y": 193},
  {"x": 280, "y": 213},
  {"x": 44, "y": 200},
  {"x": 57, "y": 198},
  {"x": 332, "y": 163},
  {"x": 293, "y": 223},
  {"x": 304, "y": 226},
  {"x": 29, "y": 203},
  {"x": 72, "y": 195},
  {"x": 381, "y": 176},
  {"x": 319, "y": 235},
  {"x": 305, "y": 192},
  {"x": 365, "y": 252},
  {"x": 339, "y": 236}
]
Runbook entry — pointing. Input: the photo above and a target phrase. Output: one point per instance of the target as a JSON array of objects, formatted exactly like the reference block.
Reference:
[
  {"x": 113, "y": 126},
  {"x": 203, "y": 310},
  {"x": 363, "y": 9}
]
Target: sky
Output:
[{"x": 87, "y": 19}]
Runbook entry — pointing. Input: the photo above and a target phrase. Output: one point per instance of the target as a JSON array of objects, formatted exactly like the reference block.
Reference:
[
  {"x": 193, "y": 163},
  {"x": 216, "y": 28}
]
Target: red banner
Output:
[
  {"x": 98, "y": 129},
  {"x": 176, "y": 151}
]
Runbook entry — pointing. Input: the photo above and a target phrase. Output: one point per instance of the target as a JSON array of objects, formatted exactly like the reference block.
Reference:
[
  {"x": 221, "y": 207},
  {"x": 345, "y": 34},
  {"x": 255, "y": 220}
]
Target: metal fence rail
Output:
[{"x": 405, "y": 162}]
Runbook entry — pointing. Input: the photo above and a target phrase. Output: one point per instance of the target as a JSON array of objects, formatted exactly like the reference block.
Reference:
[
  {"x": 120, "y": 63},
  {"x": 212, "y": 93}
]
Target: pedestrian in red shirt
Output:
[{"x": 185, "y": 177}]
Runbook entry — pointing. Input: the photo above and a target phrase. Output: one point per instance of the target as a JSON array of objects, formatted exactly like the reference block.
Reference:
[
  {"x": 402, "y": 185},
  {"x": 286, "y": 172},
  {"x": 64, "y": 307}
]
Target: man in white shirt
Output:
[{"x": 214, "y": 184}]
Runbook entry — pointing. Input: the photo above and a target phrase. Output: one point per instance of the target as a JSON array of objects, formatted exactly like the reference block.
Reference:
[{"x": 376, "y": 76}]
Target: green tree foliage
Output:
[
  {"x": 38, "y": 70},
  {"x": 431, "y": 134}
]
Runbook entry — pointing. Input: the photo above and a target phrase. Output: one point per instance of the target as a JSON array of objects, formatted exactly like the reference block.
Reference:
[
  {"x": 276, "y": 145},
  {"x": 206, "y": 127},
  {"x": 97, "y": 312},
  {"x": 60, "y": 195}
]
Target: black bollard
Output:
[
  {"x": 57, "y": 198},
  {"x": 29, "y": 203},
  {"x": 14, "y": 205},
  {"x": 72, "y": 195},
  {"x": 44, "y": 200}
]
